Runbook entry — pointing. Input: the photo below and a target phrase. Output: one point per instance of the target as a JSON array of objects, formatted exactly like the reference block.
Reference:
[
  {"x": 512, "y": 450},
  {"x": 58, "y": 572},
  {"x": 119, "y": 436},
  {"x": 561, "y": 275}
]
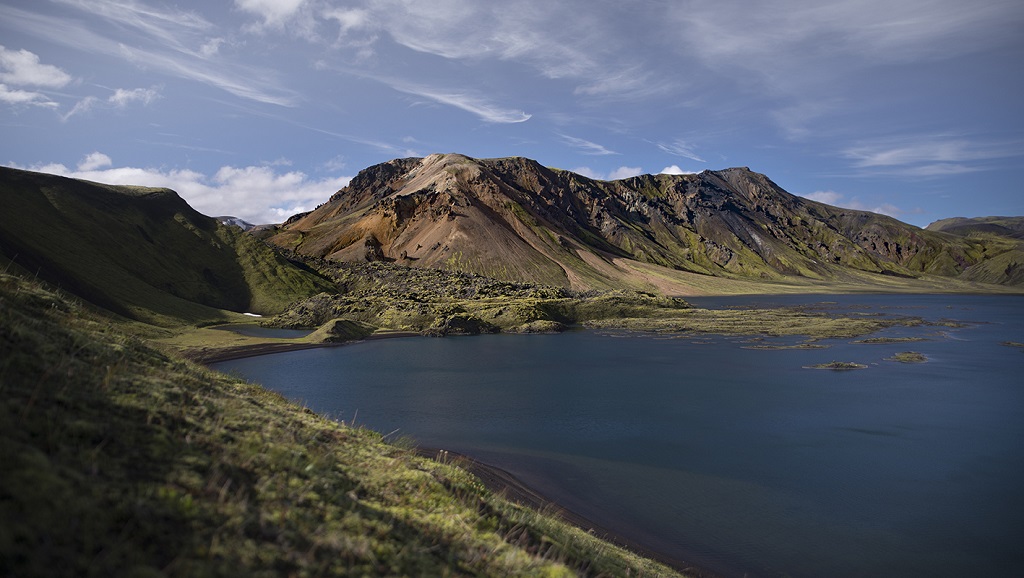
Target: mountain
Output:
[
  {"x": 1012, "y": 227},
  {"x": 1004, "y": 239},
  {"x": 513, "y": 219},
  {"x": 140, "y": 252}
]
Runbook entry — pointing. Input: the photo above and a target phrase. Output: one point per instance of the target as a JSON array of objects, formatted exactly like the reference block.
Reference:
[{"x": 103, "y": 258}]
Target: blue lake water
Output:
[{"x": 732, "y": 458}]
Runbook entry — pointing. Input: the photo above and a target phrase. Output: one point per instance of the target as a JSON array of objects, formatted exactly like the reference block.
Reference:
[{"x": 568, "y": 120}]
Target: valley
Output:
[{"x": 110, "y": 294}]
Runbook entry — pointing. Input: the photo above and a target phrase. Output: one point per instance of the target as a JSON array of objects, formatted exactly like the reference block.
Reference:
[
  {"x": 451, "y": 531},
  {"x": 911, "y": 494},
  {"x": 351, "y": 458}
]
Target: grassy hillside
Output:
[
  {"x": 120, "y": 460},
  {"x": 140, "y": 252}
]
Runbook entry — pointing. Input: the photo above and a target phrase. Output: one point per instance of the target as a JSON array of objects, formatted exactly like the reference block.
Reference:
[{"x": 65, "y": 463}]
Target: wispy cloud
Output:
[
  {"x": 392, "y": 149},
  {"x": 585, "y": 146},
  {"x": 930, "y": 155},
  {"x": 169, "y": 27},
  {"x": 467, "y": 100},
  {"x": 681, "y": 148},
  {"x": 778, "y": 38},
  {"x": 557, "y": 40},
  {"x": 82, "y": 106},
  {"x": 799, "y": 58},
  {"x": 121, "y": 98},
  {"x": 16, "y": 96},
  {"x": 157, "y": 45}
]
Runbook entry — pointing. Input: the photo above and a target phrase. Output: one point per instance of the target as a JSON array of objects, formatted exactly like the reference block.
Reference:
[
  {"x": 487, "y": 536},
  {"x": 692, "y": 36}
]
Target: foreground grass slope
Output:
[
  {"x": 140, "y": 252},
  {"x": 120, "y": 460}
]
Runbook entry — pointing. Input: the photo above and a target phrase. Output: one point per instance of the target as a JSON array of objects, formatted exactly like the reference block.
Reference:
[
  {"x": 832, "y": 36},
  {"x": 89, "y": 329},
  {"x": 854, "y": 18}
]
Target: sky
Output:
[{"x": 260, "y": 109}]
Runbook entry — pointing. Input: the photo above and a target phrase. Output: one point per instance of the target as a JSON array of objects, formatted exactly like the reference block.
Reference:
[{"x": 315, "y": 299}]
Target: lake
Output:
[{"x": 735, "y": 459}]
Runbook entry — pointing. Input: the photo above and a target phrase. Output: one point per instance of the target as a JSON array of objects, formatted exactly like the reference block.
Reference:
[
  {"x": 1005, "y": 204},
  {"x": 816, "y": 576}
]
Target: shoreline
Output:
[
  {"x": 494, "y": 478},
  {"x": 271, "y": 347},
  {"x": 506, "y": 485}
]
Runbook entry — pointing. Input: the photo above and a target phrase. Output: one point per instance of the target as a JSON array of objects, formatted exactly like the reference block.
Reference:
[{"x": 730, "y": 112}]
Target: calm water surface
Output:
[{"x": 733, "y": 458}]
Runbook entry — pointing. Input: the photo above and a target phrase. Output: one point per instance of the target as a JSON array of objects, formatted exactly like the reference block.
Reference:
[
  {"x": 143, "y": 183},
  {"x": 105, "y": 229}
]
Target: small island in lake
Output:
[
  {"x": 908, "y": 357},
  {"x": 838, "y": 365}
]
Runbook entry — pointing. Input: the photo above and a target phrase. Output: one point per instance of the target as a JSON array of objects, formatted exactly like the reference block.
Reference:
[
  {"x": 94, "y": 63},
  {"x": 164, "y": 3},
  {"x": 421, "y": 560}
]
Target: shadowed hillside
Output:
[{"x": 140, "y": 252}]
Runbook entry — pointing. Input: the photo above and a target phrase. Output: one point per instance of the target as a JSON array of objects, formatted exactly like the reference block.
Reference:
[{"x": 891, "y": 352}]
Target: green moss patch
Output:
[
  {"x": 908, "y": 357},
  {"x": 838, "y": 366}
]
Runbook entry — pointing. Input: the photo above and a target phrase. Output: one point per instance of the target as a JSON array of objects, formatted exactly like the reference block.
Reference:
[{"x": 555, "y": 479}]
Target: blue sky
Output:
[{"x": 264, "y": 108}]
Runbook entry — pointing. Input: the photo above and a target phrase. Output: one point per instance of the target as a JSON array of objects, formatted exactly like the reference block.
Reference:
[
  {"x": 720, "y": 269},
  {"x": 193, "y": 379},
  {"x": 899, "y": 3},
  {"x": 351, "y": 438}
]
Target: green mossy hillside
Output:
[
  {"x": 141, "y": 252},
  {"x": 119, "y": 460}
]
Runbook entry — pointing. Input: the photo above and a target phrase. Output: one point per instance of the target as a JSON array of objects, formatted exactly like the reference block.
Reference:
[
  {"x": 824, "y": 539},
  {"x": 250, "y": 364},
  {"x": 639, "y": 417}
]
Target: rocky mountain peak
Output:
[{"x": 514, "y": 219}]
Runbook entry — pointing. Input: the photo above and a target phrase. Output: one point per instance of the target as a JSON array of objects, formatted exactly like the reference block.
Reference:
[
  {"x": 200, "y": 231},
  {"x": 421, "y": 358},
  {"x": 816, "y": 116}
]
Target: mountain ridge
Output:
[{"x": 514, "y": 219}]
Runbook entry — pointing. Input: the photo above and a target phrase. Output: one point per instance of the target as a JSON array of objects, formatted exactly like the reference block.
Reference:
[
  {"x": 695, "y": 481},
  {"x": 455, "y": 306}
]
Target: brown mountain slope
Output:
[{"x": 514, "y": 219}]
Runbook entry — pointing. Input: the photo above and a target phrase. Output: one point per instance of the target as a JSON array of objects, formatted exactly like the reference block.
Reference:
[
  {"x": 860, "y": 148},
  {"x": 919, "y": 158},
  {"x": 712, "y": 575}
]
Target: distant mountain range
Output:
[
  {"x": 513, "y": 219},
  {"x": 144, "y": 254}
]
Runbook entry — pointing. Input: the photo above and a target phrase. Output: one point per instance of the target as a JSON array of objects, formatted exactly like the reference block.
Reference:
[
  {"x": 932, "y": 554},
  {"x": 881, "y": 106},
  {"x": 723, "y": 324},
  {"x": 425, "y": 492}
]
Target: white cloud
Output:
[
  {"x": 93, "y": 161},
  {"x": 273, "y": 12},
  {"x": 622, "y": 172},
  {"x": 122, "y": 97},
  {"x": 257, "y": 194},
  {"x": 22, "y": 68},
  {"x": 349, "y": 18},
  {"x": 675, "y": 170},
  {"x": 19, "y": 97},
  {"x": 586, "y": 147}
]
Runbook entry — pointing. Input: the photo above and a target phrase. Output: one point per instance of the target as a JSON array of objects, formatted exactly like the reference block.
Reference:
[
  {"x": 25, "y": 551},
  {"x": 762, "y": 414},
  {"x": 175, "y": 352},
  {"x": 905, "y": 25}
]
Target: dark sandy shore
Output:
[
  {"x": 495, "y": 479},
  {"x": 243, "y": 351},
  {"x": 507, "y": 485}
]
